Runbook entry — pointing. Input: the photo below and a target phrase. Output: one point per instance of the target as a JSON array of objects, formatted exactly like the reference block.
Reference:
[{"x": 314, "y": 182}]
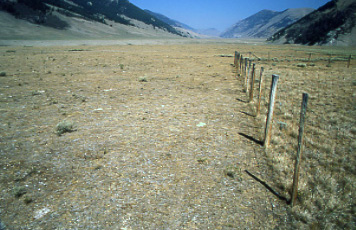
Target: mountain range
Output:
[
  {"x": 185, "y": 29},
  {"x": 114, "y": 16},
  {"x": 332, "y": 24},
  {"x": 265, "y": 23}
]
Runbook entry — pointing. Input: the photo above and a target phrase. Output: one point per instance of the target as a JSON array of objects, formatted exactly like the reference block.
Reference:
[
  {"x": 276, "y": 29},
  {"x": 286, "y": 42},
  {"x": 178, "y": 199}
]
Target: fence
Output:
[{"x": 327, "y": 168}]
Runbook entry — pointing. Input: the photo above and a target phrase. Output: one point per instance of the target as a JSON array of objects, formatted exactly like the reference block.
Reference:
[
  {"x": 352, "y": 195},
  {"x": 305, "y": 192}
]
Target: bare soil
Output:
[{"x": 163, "y": 135}]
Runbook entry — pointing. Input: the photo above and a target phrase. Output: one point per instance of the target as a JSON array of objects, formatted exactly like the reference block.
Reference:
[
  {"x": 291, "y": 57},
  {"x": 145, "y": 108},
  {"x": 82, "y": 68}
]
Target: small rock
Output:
[
  {"x": 41, "y": 213},
  {"x": 201, "y": 124}
]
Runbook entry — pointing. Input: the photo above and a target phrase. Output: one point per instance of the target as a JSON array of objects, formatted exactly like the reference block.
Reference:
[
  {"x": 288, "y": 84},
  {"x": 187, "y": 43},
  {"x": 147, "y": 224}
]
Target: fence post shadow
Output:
[
  {"x": 240, "y": 100},
  {"x": 268, "y": 187},
  {"x": 248, "y": 114},
  {"x": 252, "y": 139}
]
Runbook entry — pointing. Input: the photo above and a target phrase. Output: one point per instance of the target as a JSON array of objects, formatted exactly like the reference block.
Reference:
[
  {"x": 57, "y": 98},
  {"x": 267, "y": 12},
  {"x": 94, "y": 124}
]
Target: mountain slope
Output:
[
  {"x": 265, "y": 23},
  {"x": 185, "y": 29},
  {"x": 52, "y": 13},
  {"x": 333, "y": 24},
  {"x": 169, "y": 21}
]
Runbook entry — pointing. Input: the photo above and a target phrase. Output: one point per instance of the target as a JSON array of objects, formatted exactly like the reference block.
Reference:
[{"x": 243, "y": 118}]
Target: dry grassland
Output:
[{"x": 154, "y": 137}]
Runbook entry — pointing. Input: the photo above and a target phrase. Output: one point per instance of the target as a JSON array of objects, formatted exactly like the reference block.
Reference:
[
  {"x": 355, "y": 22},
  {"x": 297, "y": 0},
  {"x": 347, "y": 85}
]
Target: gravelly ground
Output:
[{"x": 157, "y": 141}]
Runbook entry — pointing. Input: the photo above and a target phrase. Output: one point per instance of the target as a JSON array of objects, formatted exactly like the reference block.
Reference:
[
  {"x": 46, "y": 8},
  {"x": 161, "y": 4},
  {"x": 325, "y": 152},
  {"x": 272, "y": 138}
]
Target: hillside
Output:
[
  {"x": 63, "y": 17},
  {"x": 184, "y": 29},
  {"x": 332, "y": 24},
  {"x": 169, "y": 21},
  {"x": 265, "y": 23}
]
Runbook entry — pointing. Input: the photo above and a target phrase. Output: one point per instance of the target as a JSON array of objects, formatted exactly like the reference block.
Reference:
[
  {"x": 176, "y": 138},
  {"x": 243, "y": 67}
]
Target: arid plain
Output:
[{"x": 159, "y": 136}]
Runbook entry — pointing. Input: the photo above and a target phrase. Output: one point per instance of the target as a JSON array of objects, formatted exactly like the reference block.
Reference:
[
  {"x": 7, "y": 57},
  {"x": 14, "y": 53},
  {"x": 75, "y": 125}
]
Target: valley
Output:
[{"x": 159, "y": 135}]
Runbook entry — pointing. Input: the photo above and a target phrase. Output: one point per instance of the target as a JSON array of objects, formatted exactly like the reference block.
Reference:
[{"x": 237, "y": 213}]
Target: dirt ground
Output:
[{"x": 161, "y": 138}]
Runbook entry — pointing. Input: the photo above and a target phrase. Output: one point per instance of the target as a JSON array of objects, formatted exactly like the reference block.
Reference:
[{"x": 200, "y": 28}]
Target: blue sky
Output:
[{"x": 220, "y": 14}]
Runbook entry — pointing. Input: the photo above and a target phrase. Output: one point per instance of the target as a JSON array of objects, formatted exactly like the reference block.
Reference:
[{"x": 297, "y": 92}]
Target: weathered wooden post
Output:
[
  {"x": 245, "y": 71},
  {"x": 269, "y": 120},
  {"x": 349, "y": 63},
  {"x": 237, "y": 63},
  {"x": 300, "y": 148},
  {"x": 240, "y": 64},
  {"x": 246, "y": 63},
  {"x": 235, "y": 59},
  {"x": 252, "y": 82},
  {"x": 260, "y": 92},
  {"x": 248, "y": 74}
]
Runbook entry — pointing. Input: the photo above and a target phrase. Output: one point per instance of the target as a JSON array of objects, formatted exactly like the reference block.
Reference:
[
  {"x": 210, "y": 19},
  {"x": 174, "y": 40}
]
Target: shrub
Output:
[
  {"x": 19, "y": 191},
  {"x": 65, "y": 127},
  {"x": 302, "y": 65},
  {"x": 142, "y": 79}
]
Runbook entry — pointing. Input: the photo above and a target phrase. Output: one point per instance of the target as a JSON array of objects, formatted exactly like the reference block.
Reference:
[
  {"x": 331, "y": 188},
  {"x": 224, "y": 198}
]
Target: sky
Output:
[{"x": 219, "y": 14}]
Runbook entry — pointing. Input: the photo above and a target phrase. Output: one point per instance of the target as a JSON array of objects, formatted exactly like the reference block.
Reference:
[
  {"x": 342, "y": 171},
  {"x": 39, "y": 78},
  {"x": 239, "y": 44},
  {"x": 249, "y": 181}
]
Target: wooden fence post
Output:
[
  {"x": 235, "y": 59},
  {"x": 269, "y": 120},
  {"x": 300, "y": 148},
  {"x": 238, "y": 61},
  {"x": 349, "y": 63},
  {"x": 240, "y": 64},
  {"x": 248, "y": 74},
  {"x": 245, "y": 71},
  {"x": 260, "y": 92},
  {"x": 252, "y": 82}
]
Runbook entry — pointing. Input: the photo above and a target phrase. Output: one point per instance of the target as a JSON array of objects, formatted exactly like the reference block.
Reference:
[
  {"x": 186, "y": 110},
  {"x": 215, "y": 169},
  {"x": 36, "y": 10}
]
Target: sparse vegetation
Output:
[
  {"x": 139, "y": 150},
  {"x": 27, "y": 199},
  {"x": 65, "y": 127},
  {"x": 19, "y": 191},
  {"x": 143, "y": 79},
  {"x": 233, "y": 172},
  {"x": 302, "y": 65}
]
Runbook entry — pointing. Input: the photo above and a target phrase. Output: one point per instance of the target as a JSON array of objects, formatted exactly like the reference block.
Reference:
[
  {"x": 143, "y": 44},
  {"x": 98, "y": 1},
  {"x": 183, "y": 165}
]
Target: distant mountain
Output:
[
  {"x": 169, "y": 21},
  {"x": 265, "y": 23},
  {"x": 185, "y": 29},
  {"x": 54, "y": 13},
  {"x": 332, "y": 24},
  {"x": 209, "y": 32}
]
